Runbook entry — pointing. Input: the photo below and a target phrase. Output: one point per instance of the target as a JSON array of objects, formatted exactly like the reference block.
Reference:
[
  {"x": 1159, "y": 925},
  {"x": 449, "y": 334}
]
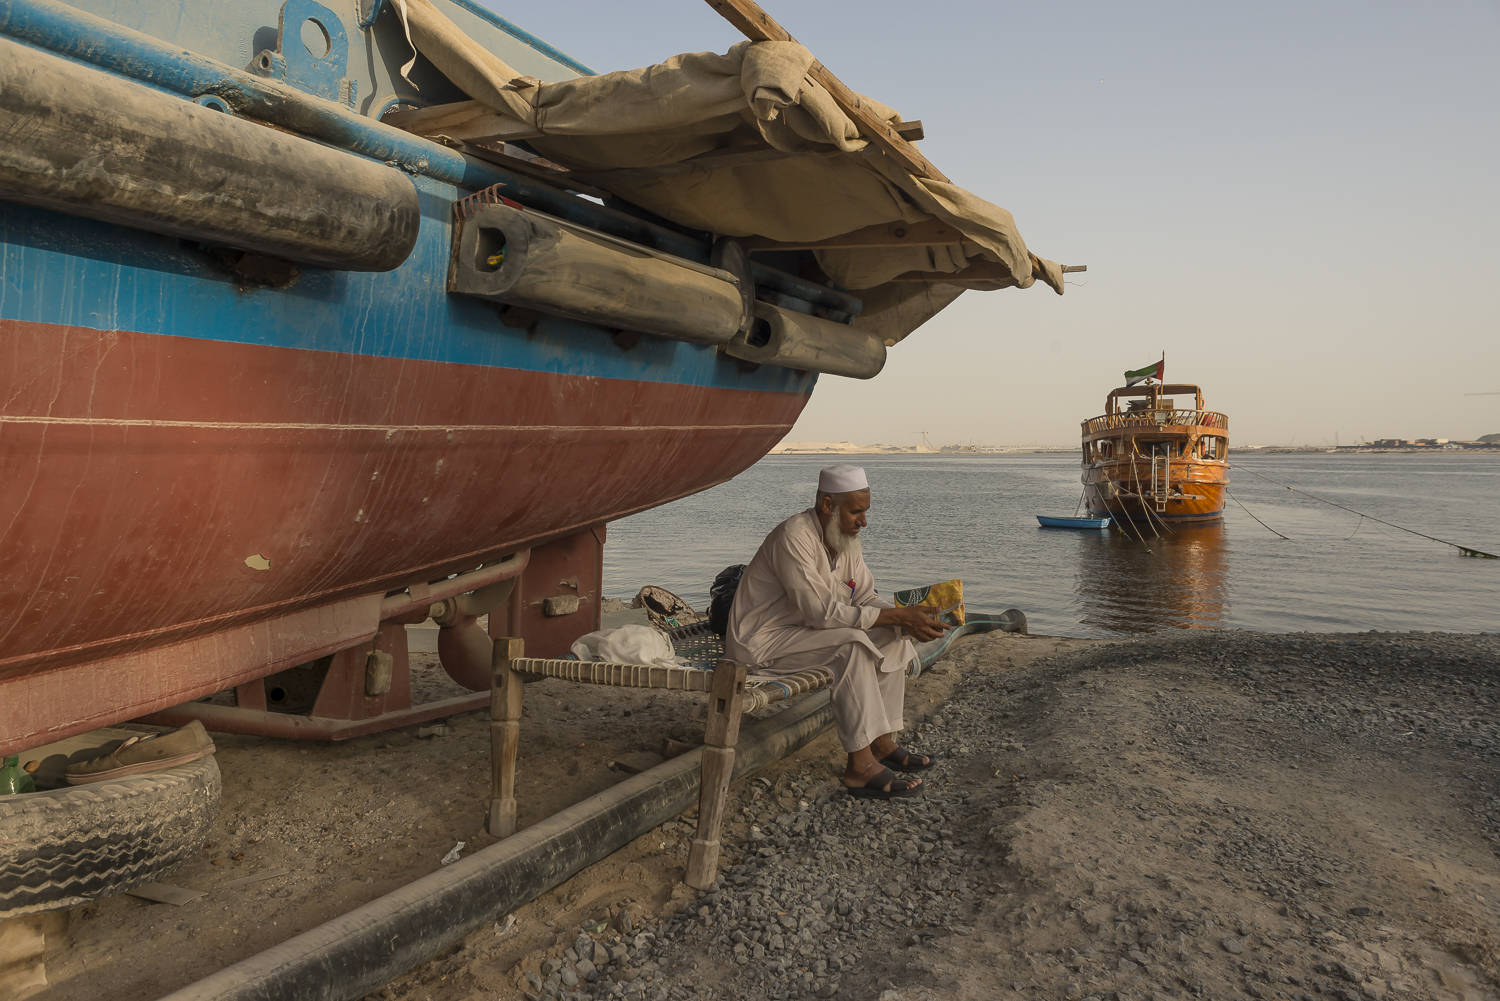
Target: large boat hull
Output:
[
  {"x": 186, "y": 455},
  {"x": 1195, "y": 492}
]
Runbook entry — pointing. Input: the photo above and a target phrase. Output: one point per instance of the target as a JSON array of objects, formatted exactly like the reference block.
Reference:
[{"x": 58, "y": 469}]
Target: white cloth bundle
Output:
[{"x": 633, "y": 644}]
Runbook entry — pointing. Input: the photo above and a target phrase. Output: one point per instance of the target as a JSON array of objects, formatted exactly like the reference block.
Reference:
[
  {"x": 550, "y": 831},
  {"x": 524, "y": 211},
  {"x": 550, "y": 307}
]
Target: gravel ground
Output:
[
  {"x": 1188, "y": 815},
  {"x": 1196, "y": 815}
]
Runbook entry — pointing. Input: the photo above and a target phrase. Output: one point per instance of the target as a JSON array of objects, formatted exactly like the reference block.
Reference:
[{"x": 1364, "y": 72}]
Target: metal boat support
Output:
[
  {"x": 359, "y": 952},
  {"x": 464, "y": 650},
  {"x": 88, "y": 143},
  {"x": 456, "y": 605},
  {"x": 530, "y": 259},
  {"x": 420, "y": 597},
  {"x": 796, "y": 340}
]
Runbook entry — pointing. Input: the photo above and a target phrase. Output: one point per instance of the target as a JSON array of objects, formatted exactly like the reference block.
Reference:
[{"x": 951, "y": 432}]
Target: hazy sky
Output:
[{"x": 1299, "y": 202}]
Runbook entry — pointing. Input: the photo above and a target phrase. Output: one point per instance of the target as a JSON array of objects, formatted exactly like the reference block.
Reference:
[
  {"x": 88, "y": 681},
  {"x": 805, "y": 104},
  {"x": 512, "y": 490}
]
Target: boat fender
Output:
[
  {"x": 89, "y": 143},
  {"x": 800, "y": 341},
  {"x": 536, "y": 261}
]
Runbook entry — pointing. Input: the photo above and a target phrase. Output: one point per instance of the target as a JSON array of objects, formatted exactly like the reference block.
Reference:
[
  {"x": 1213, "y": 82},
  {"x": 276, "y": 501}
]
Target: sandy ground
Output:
[{"x": 1194, "y": 815}]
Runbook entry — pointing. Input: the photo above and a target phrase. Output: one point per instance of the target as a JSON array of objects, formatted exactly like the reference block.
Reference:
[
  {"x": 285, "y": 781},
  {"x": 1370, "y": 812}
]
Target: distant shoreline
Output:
[{"x": 848, "y": 448}]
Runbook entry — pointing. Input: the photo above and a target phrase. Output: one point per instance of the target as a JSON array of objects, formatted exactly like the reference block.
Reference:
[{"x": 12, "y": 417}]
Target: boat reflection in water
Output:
[{"x": 1182, "y": 582}]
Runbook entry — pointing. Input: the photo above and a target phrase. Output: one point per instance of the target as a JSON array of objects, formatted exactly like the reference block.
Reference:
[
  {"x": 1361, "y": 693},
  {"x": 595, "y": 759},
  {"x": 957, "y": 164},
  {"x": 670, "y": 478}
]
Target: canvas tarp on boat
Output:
[{"x": 758, "y": 94}]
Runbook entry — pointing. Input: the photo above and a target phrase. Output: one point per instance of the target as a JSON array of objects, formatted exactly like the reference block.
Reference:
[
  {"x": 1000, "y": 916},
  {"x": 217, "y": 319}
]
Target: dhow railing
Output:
[{"x": 1157, "y": 418}]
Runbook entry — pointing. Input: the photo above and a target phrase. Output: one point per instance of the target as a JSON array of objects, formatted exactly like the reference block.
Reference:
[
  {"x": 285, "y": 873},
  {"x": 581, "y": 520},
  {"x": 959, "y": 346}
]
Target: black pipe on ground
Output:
[{"x": 361, "y": 951}]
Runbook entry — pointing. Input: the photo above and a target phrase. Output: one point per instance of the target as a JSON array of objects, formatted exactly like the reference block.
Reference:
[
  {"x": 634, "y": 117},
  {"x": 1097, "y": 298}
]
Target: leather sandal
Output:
[
  {"x": 902, "y": 760},
  {"x": 873, "y": 789}
]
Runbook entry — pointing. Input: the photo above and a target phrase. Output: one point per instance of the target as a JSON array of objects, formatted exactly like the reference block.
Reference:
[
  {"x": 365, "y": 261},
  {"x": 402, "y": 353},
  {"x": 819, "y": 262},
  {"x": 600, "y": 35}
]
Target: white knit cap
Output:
[{"x": 842, "y": 479}]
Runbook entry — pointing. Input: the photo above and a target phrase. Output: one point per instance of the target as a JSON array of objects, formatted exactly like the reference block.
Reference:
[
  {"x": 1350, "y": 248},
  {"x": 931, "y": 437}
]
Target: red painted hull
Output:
[{"x": 139, "y": 472}]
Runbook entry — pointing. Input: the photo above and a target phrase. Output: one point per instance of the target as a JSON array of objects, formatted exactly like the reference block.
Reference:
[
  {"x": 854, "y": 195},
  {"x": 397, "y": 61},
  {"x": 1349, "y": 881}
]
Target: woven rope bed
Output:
[
  {"x": 696, "y": 644},
  {"x": 731, "y": 694},
  {"x": 731, "y": 691}
]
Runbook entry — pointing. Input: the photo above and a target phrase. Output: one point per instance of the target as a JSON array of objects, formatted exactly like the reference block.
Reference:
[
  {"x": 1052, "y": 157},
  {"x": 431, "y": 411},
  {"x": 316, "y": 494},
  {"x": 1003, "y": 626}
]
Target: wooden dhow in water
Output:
[{"x": 1148, "y": 460}]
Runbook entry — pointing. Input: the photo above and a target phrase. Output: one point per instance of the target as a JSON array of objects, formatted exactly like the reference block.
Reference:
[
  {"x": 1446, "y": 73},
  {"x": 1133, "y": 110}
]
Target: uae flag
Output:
[{"x": 1152, "y": 371}]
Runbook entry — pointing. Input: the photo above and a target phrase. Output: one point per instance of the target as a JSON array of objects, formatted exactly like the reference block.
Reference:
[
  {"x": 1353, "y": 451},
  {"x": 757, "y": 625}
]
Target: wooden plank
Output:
[
  {"x": 979, "y": 271},
  {"x": 931, "y": 233},
  {"x": 758, "y": 26},
  {"x": 420, "y": 119},
  {"x": 880, "y": 132},
  {"x": 545, "y": 171},
  {"x": 911, "y": 131},
  {"x": 471, "y": 120},
  {"x": 733, "y": 156},
  {"x": 487, "y": 129}
]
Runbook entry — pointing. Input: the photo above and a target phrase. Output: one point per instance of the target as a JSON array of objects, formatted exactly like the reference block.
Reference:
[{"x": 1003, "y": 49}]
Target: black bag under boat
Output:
[{"x": 721, "y": 595}]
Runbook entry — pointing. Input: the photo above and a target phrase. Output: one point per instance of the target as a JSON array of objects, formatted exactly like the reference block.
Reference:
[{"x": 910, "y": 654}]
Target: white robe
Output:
[{"x": 794, "y": 611}]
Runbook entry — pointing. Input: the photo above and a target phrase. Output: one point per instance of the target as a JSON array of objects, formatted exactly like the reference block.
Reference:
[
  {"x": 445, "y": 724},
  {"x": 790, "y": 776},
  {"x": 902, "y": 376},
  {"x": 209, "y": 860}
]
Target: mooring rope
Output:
[
  {"x": 1252, "y": 514},
  {"x": 1141, "y": 496},
  {"x": 1155, "y": 514},
  {"x": 1463, "y": 550},
  {"x": 1126, "y": 523}
]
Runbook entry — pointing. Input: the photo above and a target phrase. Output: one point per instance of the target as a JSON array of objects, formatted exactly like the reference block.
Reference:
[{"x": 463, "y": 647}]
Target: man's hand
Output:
[{"x": 914, "y": 620}]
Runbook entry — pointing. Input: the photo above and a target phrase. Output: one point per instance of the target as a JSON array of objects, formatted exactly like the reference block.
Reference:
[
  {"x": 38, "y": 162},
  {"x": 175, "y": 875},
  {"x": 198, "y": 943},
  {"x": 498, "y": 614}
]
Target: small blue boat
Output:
[{"x": 1048, "y": 522}]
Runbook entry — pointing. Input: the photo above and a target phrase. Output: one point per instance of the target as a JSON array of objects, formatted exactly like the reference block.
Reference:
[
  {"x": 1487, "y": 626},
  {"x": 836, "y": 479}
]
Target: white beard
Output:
[{"x": 836, "y": 540}]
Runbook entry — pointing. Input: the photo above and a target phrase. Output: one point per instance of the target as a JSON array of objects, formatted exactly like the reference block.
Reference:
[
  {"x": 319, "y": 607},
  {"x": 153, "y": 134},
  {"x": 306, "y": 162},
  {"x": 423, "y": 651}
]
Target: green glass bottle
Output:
[{"x": 13, "y": 779}]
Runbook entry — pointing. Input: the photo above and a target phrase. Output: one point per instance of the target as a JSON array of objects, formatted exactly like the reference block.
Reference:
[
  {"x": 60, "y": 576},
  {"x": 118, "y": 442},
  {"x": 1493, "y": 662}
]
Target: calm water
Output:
[{"x": 935, "y": 518}]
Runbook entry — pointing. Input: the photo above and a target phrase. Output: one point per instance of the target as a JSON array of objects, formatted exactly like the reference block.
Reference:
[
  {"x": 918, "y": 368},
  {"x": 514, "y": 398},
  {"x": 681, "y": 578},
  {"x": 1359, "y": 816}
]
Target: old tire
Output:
[{"x": 64, "y": 847}]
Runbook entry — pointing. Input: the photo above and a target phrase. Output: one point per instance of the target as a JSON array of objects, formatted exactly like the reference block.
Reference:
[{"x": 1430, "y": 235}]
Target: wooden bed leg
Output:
[
  {"x": 722, "y": 732},
  {"x": 505, "y": 735}
]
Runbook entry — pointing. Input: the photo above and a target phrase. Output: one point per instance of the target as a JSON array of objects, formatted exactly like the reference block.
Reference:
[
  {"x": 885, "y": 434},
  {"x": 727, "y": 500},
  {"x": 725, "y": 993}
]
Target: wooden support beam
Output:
[
  {"x": 758, "y": 26},
  {"x": 488, "y": 129},
  {"x": 721, "y": 732},
  {"x": 979, "y": 271},
  {"x": 553, "y": 175},
  {"x": 437, "y": 116},
  {"x": 733, "y": 156},
  {"x": 505, "y": 735},
  {"x": 931, "y": 233},
  {"x": 470, "y": 120}
]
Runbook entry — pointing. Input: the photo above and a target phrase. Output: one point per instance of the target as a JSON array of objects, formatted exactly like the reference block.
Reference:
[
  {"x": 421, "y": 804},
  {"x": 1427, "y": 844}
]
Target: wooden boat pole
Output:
[{"x": 758, "y": 26}]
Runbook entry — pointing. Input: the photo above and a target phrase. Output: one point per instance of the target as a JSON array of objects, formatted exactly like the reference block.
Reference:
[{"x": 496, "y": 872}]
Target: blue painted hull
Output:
[
  {"x": 1050, "y": 522},
  {"x": 168, "y": 429}
]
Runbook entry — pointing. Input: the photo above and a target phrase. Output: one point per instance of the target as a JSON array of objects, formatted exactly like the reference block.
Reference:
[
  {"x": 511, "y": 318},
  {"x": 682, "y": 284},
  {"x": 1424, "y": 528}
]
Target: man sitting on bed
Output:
[{"x": 807, "y": 600}]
